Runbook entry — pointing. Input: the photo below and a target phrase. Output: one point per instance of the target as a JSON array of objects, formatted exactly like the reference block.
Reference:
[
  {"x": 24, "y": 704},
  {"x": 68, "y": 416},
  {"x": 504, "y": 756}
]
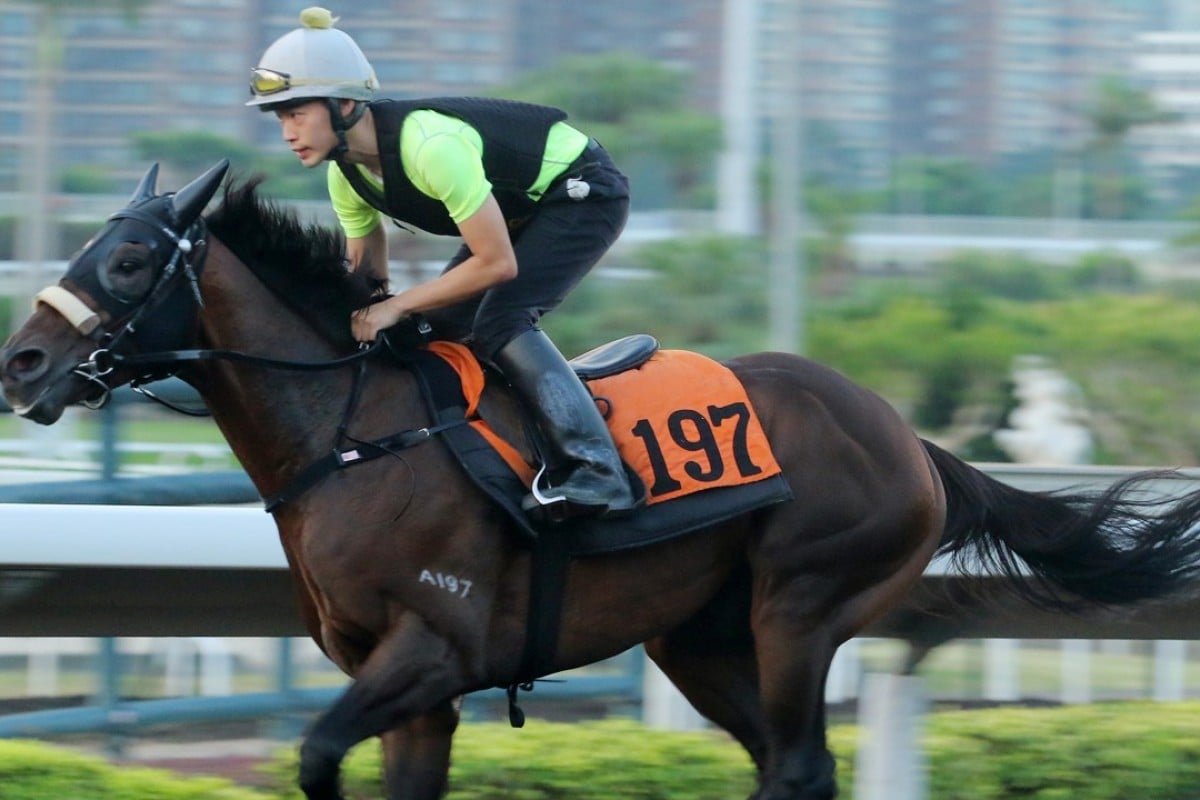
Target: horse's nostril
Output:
[{"x": 26, "y": 364}]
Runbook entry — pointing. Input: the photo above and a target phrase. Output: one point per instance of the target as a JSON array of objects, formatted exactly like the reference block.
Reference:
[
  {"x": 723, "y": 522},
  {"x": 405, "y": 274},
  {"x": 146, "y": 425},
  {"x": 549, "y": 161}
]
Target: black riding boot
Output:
[{"x": 582, "y": 465}]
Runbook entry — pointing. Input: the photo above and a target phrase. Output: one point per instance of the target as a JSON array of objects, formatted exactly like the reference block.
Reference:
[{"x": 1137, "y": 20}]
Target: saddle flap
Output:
[{"x": 615, "y": 356}]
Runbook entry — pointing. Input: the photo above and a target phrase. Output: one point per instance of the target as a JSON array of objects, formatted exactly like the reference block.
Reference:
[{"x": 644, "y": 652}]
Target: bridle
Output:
[
  {"x": 185, "y": 263},
  {"x": 139, "y": 339}
]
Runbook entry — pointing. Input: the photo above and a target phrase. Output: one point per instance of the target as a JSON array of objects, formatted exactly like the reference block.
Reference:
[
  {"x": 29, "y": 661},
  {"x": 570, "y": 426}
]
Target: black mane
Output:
[{"x": 303, "y": 264}]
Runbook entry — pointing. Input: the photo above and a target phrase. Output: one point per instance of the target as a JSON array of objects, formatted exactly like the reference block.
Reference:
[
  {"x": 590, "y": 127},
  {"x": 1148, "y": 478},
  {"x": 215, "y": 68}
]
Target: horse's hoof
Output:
[
  {"x": 321, "y": 793},
  {"x": 319, "y": 775}
]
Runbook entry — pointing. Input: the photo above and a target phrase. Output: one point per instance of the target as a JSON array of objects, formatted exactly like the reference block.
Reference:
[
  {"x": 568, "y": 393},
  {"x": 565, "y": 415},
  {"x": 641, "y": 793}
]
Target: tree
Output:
[
  {"x": 636, "y": 108},
  {"x": 1116, "y": 108},
  {"x": 187, "y": 153},
  {"x": 833, "y": 211},
  {"x": 951, "y": 186},
  {"x": 191, "y": 152},
  {"x": 704, "y": 294}
]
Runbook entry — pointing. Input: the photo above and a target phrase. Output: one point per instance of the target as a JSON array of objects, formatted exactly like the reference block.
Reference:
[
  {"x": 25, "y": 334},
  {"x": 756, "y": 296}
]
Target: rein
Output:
[
  {"x": 170, "y": 357},
  {"x": 338, "y": 458},
  {"x": 111, "y": 360}
]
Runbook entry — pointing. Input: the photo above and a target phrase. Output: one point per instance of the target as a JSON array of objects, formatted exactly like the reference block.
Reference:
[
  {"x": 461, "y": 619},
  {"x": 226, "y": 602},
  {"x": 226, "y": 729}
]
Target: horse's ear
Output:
[
  {"x": 189, "y": 201},
  {"x": 147, "y": 187}
]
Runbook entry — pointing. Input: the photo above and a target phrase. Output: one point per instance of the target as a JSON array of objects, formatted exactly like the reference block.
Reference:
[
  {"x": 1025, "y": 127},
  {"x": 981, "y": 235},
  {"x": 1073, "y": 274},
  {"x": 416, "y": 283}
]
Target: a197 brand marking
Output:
[{"x": 451, "y": 583}]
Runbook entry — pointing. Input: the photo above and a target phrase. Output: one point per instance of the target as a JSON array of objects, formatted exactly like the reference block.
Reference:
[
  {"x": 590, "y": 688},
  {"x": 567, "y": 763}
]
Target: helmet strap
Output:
[{"x": 342, "y": 124}]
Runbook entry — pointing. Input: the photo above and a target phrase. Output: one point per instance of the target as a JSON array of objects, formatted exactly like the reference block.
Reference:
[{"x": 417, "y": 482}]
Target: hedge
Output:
[
  {"x": 1110, "y": 751},
  {"x": 34, "y": 771},
  {"x": 1106, "y": 751},
  {"x": 585, "y": 761}
]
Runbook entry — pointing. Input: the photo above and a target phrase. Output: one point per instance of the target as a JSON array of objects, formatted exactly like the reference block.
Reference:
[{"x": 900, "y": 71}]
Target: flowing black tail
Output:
[{"x": 1065, "y": 549}]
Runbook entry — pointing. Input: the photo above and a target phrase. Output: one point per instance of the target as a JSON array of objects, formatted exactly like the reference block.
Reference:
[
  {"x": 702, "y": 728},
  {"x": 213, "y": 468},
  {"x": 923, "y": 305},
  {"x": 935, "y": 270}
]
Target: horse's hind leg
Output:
[
  {"x": 710, "y": 659},
  {"x": 792, "y": 669},
  {"x": 802, "y": 613},
  {"x": 720, "y": 678}
]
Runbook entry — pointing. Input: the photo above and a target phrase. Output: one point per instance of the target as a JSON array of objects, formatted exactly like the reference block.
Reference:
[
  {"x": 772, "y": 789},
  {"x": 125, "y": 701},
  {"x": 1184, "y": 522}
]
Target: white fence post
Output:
[
  {"x": 663, "y": 706},
  {"x": 179, "y": 678},
  {"x": 216, "y": 666},
  {"x": 42, "y": 676},
  {"x": 844, "y": 673},
  {"x": 1170, "y": 663},
  {"x": 890, "y": 763},
  {"x": 1076, "y": 671},
  {"x": 1001, "y": 675}
]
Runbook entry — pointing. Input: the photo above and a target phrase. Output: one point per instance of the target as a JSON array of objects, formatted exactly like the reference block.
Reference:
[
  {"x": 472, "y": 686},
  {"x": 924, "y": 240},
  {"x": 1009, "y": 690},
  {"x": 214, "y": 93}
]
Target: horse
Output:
[{"x": 743, "y": 615}]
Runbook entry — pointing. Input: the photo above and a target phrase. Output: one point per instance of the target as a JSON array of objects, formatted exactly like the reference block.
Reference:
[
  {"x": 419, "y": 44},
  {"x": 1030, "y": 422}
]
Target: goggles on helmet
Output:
[{"x": 265, "y": 82}]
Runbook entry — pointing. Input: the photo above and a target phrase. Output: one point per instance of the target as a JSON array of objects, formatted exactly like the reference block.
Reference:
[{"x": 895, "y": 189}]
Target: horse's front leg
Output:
[
  {"x": 405, "y": 685},
  {"x": 416, "y": 757}
]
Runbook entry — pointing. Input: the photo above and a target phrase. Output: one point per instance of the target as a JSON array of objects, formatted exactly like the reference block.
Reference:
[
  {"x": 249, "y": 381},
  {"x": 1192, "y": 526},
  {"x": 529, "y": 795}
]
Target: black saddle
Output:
[{"x": 615, "y": 356}]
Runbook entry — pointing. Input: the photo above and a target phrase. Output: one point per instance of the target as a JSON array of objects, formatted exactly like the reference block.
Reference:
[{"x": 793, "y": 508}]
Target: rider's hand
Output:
[{"x": 366, "y": 323}]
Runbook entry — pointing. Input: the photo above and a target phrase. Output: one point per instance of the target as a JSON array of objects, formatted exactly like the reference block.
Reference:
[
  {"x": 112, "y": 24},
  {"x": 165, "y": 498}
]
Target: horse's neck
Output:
[{"x": 276, "y": 421}]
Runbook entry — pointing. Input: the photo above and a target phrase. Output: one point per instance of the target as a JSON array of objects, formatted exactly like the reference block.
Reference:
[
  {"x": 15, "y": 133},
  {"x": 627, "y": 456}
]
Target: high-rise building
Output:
[
  {"x": 106, "y": 74},
  {"x": 686, "y": 36},
  {"x": 84, "y": 81},
  {"x": 990, "y": 78},
  {"x": 1176, "y": 15},
  {"x": 1167, "y": 65},
  {"x": 879, "y": 79},
  {"x": 844, "y": 59}
]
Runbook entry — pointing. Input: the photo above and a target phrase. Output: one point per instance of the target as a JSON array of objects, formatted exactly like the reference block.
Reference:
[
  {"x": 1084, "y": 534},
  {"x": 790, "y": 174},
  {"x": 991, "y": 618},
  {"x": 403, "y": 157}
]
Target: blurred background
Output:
[
  {"x": 918, "y": 193},
  {"x": 986, "y": 211}
]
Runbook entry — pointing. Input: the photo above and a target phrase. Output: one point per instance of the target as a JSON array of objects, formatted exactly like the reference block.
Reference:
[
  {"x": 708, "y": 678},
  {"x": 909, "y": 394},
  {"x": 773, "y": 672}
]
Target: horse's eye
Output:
[{"x": 127, "y": 277}]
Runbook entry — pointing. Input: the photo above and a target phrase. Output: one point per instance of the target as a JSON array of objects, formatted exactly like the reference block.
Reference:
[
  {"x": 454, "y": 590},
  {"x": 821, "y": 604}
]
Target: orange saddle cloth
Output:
[{"x": 681, "y": 421}]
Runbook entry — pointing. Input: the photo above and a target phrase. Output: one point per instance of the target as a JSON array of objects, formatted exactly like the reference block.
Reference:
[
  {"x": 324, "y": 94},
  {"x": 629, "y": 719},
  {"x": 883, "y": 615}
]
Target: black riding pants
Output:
[{"x": 555, "y": 248}]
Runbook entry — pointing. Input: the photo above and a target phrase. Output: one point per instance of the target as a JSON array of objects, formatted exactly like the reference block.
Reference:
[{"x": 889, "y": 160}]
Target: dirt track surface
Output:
[{"x": 239, "y": 760}]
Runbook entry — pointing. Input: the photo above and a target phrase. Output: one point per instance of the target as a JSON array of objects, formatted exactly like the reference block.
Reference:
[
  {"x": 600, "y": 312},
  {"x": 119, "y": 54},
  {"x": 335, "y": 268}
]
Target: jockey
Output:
[{"x": 536, "y": 203}]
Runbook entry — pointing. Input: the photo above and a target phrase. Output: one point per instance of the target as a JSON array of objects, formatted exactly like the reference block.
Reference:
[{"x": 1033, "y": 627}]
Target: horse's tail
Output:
[{"x": 1109, "y": 547}]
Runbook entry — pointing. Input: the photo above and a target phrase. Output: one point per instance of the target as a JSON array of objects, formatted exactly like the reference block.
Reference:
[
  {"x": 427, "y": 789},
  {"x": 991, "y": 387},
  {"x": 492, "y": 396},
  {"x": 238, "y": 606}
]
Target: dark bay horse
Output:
[{"x": 744, "y": 616}]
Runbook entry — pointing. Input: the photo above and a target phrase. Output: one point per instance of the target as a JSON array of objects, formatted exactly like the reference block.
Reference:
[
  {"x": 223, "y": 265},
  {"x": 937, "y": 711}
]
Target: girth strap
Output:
[{"x": 363, "y": 452}]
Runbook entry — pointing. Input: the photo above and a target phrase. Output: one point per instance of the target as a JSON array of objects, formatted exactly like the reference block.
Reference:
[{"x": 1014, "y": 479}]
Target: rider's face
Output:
[{"x": 308, "y": 131}]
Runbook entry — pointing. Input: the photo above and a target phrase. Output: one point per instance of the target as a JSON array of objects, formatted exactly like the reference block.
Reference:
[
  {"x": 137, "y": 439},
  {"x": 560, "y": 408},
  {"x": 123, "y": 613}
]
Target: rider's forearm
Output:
[{"x": 368, "y": 254}]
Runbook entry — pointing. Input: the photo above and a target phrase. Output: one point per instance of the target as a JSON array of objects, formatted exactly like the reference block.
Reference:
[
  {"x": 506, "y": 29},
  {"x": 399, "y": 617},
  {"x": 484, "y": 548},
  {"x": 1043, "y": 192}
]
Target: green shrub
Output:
[
  {"x": 587, "y": 761},
  {"x": 32, "y": 771},
  {"x": 1106, "y": 751},
  {"x": 1110, "y": 751}
]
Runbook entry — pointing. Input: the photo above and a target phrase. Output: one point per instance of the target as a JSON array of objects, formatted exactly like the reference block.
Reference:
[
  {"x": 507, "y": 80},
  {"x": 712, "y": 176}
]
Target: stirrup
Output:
[
  {"x": 554, "y": 508},
  {"x": 541, "y": 497}
]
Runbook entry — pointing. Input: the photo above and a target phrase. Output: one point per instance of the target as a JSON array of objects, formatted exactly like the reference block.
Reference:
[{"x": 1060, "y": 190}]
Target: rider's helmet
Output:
[{"x": 314, "y": 61}]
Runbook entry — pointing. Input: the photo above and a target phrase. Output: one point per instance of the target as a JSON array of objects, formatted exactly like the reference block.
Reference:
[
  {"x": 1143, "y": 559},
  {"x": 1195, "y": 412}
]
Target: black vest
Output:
[{"x": 514, "y": 144}]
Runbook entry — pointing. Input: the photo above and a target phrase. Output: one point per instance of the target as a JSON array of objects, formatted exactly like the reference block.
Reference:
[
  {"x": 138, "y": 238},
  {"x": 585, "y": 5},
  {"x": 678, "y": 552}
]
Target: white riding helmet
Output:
[{"x": 312, "y": 61}]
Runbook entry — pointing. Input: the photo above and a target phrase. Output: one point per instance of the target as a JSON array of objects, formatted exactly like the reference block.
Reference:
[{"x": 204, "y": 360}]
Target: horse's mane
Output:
[{"x": 303, "y": 264}]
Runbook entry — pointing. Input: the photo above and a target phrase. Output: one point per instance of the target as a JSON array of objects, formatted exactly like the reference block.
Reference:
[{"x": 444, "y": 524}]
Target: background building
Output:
[
  {"x": 991, "y": 78},
  {"x": 1168, "y": 66},
  {"x": 880, "y": 80}
]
